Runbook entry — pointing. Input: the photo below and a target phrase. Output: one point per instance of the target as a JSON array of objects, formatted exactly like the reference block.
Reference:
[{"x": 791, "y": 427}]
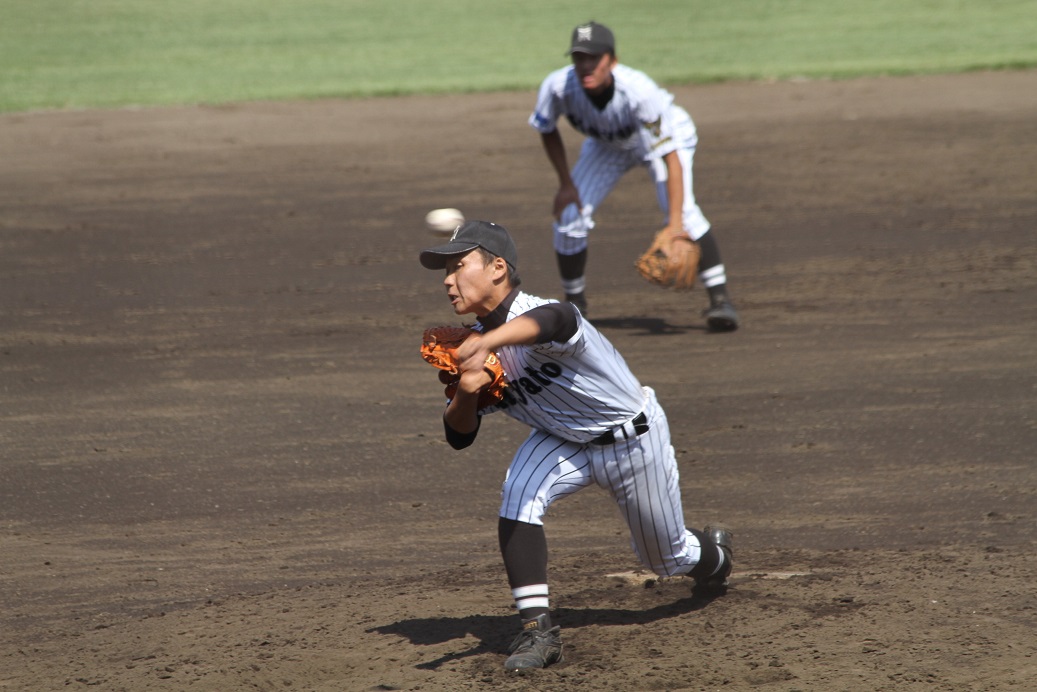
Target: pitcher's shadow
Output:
[{"x": 494, "y": 632}]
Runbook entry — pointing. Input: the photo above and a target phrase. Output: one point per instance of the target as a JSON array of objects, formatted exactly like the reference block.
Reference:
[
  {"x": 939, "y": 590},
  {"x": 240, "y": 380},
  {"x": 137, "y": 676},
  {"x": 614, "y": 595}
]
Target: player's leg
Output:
[
  {"x": 643, "y": 478},
  {"x": 596, "y": 172},
  {"x": 544, "y": 469},
  {"x": 721, "y": 314}
]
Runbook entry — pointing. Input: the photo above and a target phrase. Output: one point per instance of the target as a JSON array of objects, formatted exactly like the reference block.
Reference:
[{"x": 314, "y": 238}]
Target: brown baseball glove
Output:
[
  {"x": 439, "y": 347},
  {"x": 670, "y": 261}
]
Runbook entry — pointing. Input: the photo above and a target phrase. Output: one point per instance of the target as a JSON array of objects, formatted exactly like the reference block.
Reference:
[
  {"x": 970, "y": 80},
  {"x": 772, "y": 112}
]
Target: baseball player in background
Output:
[
  {"x": 628, "y": 121},
  {"x": 592, "y": 423}
]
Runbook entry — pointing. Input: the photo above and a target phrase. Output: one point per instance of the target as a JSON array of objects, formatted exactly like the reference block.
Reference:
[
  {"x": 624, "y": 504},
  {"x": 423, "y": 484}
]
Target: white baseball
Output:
[{"x": 443, "y": 221}]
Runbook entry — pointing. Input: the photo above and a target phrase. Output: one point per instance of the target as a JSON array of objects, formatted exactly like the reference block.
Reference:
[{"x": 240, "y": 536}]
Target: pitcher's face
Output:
[{"x": 470, "y": 282}]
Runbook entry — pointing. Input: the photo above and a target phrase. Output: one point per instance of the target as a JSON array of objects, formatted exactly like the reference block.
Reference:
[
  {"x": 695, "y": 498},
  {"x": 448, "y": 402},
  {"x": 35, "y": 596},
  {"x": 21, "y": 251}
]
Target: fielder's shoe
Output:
[
  {"x": 717, "y": 583},
  {"x": 535, "y": 647},
  {"x": 579, "y": 300},
  {"x": 722, "y": 316}
]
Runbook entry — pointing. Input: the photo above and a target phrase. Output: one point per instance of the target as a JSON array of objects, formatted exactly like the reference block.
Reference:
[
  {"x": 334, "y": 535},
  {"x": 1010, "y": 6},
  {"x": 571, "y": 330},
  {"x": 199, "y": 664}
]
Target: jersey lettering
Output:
[
  {"x": 551, "y": 369},
  {"x": 530, "y": 386},
  {"x": 539, "y": 377},
  {"x": 516, "y": 390},
  {"x": 591, "y": 131}
]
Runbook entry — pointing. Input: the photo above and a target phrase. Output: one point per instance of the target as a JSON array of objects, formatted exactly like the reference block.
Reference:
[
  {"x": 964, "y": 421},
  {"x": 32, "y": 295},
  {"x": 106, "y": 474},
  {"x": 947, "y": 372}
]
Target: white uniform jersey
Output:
[
  {"x": 576, "y": 390},
  {"x": 641, "y": 118},
  {"x": 637, "y": 127}
]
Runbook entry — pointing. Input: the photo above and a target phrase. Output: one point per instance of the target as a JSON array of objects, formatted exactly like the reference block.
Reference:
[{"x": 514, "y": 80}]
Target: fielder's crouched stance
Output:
[{"x": 592, "y": 423}]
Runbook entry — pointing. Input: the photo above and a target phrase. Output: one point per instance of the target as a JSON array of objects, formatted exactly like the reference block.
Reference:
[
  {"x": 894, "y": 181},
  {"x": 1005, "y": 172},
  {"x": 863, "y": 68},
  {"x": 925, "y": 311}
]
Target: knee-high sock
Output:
[
  {"x": 524, "y": 549},
  {"x": 572, "y": 269},
  {"x": 711, "y": 269}
]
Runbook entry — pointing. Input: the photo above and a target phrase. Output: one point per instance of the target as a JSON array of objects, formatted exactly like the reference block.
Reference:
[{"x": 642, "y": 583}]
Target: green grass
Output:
[{"x": 109, "y": 53}]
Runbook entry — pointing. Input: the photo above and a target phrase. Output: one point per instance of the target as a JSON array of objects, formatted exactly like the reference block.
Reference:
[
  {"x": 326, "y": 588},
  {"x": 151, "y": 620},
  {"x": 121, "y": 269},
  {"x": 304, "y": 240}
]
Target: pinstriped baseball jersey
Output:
[
  {"x": 576, "y": 390},
  {"x": 640, "y": 118}
]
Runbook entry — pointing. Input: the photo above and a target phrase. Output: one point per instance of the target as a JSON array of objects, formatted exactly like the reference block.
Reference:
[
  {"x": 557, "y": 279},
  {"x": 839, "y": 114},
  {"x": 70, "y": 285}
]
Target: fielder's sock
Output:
[
  {"x": 572, "y": 267},
  {"x": 574, "y": 288},
  {"x": 714, "y": 278},
  {"x": 711, "y": 270},
  {"x": 709, "y": 252}
]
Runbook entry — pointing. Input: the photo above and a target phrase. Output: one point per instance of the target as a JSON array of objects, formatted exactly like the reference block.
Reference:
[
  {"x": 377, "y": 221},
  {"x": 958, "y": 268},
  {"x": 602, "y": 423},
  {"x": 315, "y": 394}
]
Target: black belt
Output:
[{"x": 639, "y": 423}]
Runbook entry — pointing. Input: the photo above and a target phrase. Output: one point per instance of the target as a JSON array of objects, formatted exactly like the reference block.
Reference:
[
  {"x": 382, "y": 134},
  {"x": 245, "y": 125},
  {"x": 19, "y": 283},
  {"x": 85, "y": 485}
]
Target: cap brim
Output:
[
  {"x": 436, "y": 257},
  {"x": 589, "y": 50}
]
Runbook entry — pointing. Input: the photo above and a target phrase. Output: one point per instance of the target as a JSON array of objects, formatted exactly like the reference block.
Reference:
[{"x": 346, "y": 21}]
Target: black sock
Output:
[
  {"x": 572, "y": 266},
  {"x": 709, "y": 251},
  {"x": 524, "y": 549}
]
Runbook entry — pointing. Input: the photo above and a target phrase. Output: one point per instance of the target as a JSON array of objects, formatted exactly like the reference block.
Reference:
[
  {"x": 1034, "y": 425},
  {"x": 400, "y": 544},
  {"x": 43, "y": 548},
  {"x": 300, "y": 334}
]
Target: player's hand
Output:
[
  {"x": 677, "y": 252},
  {"x": 474, "y": 375},
  {"x": 566, "y": 195}
]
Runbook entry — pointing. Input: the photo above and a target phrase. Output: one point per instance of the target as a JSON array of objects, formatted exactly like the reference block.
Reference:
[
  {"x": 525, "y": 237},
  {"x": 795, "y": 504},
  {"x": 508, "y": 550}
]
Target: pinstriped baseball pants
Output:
[
  {"x": 598, "y": 170},
  {"x": 639, "y": 473}
]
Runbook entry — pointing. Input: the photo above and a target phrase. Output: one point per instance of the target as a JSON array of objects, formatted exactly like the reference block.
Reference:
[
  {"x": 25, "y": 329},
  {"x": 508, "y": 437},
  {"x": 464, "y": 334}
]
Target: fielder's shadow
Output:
[
  {"x": 495, "y": 632},
  {"x": 644, "y": 325}
]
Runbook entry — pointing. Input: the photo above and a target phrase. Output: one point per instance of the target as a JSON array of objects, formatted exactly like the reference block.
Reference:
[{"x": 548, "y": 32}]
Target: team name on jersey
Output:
[
  {"x": 532, "y": 383},
  {"x": 591, "y": 131}
]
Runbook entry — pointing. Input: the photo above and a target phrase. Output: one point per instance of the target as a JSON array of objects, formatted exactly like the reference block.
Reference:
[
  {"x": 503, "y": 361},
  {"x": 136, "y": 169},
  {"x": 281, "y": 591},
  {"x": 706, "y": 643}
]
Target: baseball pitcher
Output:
[{"x": 591, "y": 423}]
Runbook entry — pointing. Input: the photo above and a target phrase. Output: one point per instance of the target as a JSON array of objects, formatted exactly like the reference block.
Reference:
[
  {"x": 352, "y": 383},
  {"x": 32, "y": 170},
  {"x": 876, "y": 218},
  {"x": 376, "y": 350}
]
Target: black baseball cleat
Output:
[
  {"x": 722, "y": 316},
  {"x": 579, "y": 300},
  {"x": 717, "y": 583},
  {"x": 536, "y": 646}
]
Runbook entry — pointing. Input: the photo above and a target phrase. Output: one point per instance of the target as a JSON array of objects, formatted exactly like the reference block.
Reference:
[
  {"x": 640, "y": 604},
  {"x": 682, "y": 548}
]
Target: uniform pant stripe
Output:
[{"x": 640, "y": 473}]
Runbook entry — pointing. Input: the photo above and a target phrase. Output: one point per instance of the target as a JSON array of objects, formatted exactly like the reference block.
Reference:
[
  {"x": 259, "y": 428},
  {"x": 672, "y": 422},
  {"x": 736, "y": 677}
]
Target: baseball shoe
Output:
[
  {"x": 717, "y": 583},
  {"x": 722, "y": 316},
  {"x": 535, "y": 646},
  {"x": 579, "y": 300}
]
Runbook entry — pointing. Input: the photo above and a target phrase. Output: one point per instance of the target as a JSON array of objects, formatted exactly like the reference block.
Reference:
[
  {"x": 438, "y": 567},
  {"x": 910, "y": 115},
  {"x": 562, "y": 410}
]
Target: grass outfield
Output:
[{"x": 109, "y": 53}]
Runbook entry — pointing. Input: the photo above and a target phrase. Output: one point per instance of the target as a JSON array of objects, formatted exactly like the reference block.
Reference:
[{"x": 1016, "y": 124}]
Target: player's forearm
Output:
[
  {"x": 521, "y": 330},
  {"x": 555, "y": 150},
  {"x": 675, "y": 189},
  {"x": 461, "y": 413}
]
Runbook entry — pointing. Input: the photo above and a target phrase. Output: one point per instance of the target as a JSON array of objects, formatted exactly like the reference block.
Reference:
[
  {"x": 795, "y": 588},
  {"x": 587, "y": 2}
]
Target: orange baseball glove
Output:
[{"x": 439, "y": 348}]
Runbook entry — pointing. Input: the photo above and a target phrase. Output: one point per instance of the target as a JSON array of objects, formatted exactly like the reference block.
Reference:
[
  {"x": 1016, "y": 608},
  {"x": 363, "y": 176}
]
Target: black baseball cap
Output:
[
  {"x": 491, "y": 237},
  {"x": 593, "y": 38}
]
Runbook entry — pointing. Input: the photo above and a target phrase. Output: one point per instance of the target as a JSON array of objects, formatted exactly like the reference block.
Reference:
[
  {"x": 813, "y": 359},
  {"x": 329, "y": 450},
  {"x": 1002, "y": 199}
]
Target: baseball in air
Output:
[{"x": 443, "y": 221}]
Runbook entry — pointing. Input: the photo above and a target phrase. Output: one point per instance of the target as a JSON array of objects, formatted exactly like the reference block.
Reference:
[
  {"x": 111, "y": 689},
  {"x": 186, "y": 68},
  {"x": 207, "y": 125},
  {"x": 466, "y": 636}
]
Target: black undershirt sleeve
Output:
[
  {"x": 557, "y": 322},
  {"x": 459, "y": 440}
]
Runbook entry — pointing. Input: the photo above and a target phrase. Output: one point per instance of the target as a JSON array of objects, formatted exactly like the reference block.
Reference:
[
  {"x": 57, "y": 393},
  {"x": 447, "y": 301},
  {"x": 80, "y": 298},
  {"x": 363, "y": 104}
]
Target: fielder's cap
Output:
[
  {"x": 468, "y": 236},
  {"x": 593, "y": 38}
]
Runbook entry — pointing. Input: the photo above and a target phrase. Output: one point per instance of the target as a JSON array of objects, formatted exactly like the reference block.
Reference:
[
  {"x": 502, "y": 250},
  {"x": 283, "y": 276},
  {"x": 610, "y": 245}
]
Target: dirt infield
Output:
[{"x": 222, "y": 465}]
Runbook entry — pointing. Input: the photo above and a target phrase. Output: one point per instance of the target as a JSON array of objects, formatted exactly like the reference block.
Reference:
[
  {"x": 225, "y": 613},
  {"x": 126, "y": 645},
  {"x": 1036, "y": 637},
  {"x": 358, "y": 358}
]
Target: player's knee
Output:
[
  {"x": 567, "y": 245},
  {"x": 530, "y": 511},
  {"x": 575, "y": 223},
  {"x": 570, "y": 236}
]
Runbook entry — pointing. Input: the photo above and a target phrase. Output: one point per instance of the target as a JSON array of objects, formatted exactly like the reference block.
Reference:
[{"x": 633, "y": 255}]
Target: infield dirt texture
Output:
[{"x": 222, "y": 456}]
